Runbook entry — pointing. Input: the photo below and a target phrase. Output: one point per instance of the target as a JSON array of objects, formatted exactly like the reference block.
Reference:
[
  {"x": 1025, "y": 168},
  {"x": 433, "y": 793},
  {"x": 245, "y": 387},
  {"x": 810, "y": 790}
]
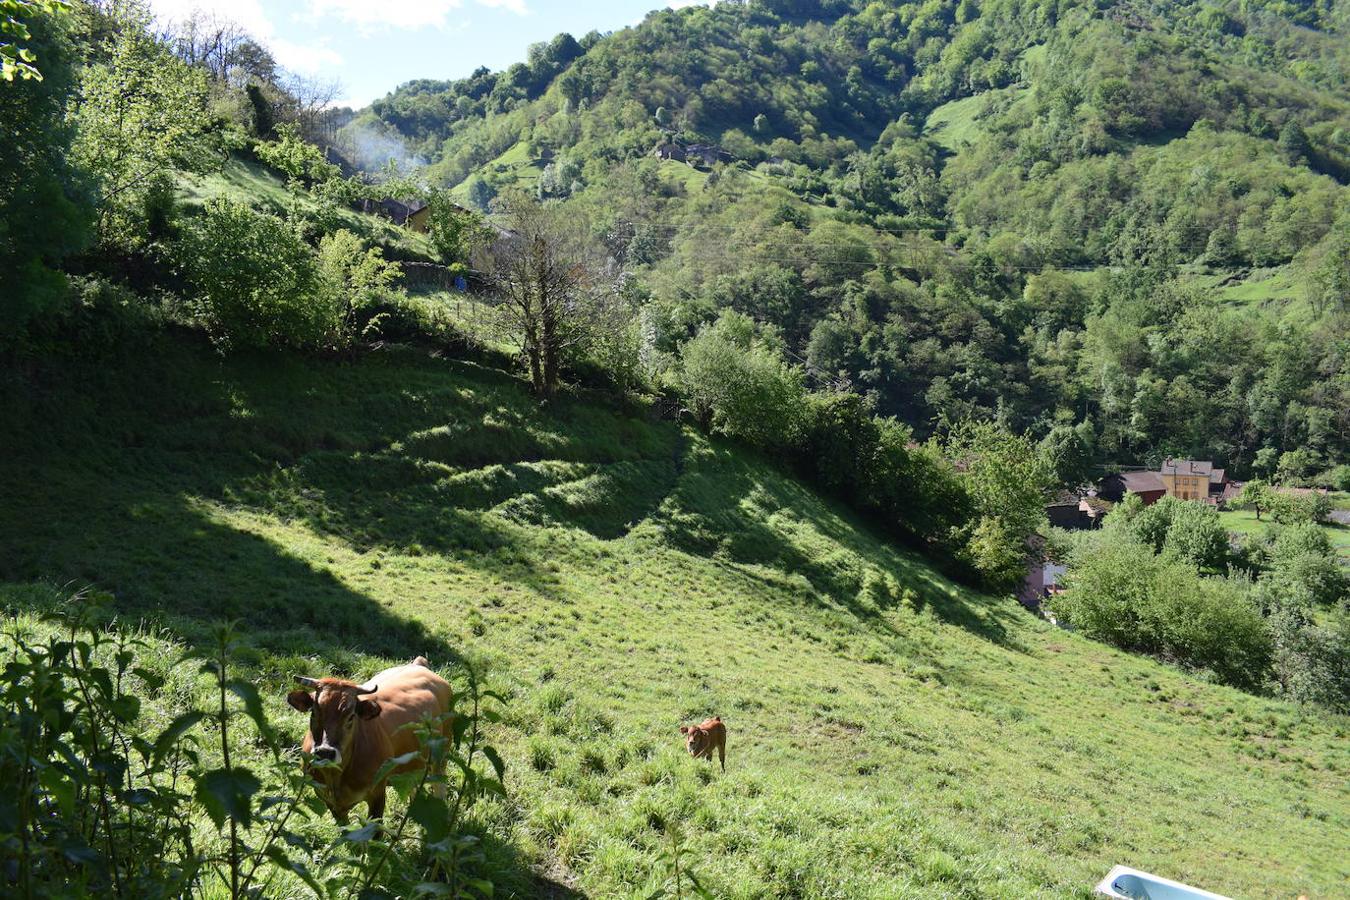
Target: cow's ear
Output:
[
  {"x": 684, "y": 729},
  {"x": 368, "y": 709},
  {"x": 301, "y": 700}
]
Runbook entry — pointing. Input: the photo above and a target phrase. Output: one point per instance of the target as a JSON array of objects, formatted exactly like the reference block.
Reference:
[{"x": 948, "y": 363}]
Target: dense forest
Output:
[{"x": 1129, "y": 215}]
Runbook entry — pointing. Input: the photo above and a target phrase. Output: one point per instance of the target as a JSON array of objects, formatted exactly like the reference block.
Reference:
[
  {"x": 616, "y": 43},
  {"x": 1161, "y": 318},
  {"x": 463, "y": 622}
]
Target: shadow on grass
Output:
[
  {"x": 116, "y": 474},
  {"x": 743, "y": 513}
]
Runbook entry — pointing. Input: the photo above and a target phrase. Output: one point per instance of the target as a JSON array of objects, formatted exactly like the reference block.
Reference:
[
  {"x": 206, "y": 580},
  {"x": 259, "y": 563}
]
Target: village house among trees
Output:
[{"x": 1185, "y": 479}]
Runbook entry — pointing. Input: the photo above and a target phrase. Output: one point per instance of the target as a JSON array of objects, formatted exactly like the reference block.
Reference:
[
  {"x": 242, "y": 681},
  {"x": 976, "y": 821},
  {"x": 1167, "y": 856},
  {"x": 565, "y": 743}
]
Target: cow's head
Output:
[
  {"x": 696, "y": 739},
  {"x": 334, "y": 708}
]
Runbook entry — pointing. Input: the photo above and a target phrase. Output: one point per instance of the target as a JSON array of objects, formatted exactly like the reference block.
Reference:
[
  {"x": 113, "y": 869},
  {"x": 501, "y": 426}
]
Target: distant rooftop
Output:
[
  {"x": 1195, "y": 467},
  {"x": 1142, "y": 482}
]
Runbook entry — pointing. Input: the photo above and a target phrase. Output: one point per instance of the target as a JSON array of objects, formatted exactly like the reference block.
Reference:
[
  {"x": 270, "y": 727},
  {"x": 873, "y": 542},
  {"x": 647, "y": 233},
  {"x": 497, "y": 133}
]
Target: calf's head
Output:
[
  {"x": 334, "y": 708},
  {"x": 696, "y": 739}
]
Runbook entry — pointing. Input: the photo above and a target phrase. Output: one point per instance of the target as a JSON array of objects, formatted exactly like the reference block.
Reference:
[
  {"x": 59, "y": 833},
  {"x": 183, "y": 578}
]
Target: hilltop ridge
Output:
[{"x": 960, "y": 209}]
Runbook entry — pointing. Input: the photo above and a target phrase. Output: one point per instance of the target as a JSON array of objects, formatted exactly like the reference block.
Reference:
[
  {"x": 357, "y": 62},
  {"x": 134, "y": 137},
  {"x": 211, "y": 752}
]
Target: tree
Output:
[
  {"x": 1256, "y": 494},
  {"x": 1068, "y": 451},
  {"x": 1294, "y": 142},
  {"x": 1006, "y": 474},
  {"x": 1296, "y": 465},
  {"x": 141, "y": 116},
  {"x": 1312, "y": 661},
  {"x": 1007, "y": 478},
  {"x": 255, "y": 282},
  {"x": 455, "y": 232},
  {"x": 551, "y": 288},
  {"x": 1267, "y": 458},
  {"x": 300, "y": 161},
  {"x": 264, "y": 113},
  {"x": 18, "y": 60},
  {"x": 480, "y": 193},
  {"x": 44, "y": 206},
  {"x": 740, "y": 385},
  {"x": 354, "y": 279},
  {"x": 1151, "y": 524},
  {"x": 1196, "y": 534}
]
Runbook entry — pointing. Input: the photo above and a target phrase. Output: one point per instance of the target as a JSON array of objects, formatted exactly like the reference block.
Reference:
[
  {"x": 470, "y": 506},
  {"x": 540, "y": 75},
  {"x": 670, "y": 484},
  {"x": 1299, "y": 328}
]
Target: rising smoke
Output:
[{"x": 371, "y": 149}]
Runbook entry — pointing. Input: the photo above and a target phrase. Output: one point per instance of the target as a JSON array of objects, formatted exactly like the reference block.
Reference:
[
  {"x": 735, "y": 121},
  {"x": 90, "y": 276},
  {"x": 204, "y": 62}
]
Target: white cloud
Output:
[
  {"x": 248, "y": 13},
  {"x": 306, "y": 59},
  {"x": 515, "y": 6},
  {"x": 402, "y": 13}
]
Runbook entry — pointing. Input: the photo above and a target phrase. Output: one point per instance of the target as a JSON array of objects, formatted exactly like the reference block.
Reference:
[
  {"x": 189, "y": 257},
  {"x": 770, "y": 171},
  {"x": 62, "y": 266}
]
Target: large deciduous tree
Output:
[
  {"x": 552, "y": 289},
  {"x": 141, "y": 115},
  {"x": 44, "y": 204}
]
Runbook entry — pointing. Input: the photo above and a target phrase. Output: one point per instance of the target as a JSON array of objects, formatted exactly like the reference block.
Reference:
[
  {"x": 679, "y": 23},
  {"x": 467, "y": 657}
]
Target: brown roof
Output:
[
  {"x": 1142, "y": 482},
  {"x": 1187, "y": 467}
]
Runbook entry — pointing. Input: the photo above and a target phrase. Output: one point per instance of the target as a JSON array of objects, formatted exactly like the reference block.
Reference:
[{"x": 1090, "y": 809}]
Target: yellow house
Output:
[
  {"x": 1189, "y": 479},
  {"x": 420, "y": 220}
]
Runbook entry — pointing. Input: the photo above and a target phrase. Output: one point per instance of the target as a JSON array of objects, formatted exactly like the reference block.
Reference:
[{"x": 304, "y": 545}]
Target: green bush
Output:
[
  {"x": 1122, "y": 593},
  {"x": 357, "y": 280},
  {"x": 1294, "y": 509},
  {"x": 255, "y": 283},
  {"x": 1312, "y": 661},
  {"x": 1183, "y": 528},
  {"x": 872, "y": 464},
  {"x": 740, "y": 386},
  {"x": 1007, "y": 478},
  {"x": 1196, "y": 534},
  {"x": 101, "y": 797},
  {"x": 1304, "y": 570}
]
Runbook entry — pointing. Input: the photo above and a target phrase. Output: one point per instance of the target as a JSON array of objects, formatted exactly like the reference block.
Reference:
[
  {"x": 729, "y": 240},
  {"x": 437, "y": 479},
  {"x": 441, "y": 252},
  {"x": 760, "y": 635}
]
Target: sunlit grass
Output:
[{"x": 891, "y": 733}]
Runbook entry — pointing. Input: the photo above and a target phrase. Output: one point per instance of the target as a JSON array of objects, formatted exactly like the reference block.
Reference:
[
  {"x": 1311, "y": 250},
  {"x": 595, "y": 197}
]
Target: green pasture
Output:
[{"x": 891, "y": 733}]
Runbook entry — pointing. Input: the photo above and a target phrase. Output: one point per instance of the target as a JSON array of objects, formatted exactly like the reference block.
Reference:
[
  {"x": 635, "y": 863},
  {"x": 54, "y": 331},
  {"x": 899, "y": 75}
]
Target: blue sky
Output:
[{"x": 372, "y": 46}]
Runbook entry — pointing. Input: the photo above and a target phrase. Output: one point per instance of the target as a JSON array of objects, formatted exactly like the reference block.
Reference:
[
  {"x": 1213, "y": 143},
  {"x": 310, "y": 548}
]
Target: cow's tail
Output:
[{"x": 420, "y": 661}]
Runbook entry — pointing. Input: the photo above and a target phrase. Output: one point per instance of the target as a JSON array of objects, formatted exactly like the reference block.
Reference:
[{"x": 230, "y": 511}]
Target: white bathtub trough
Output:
[{"x": 1125, "y": 883}]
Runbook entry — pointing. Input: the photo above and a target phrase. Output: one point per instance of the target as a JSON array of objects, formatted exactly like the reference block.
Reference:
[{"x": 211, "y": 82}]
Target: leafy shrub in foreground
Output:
[{"x": 95, "y": 802}]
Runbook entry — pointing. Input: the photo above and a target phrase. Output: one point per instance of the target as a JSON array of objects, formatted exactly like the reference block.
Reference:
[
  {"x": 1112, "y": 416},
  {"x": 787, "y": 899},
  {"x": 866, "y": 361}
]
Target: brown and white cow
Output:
[
  {"x": 702, "y": 739},
  {"x": 357, "y": 727}
]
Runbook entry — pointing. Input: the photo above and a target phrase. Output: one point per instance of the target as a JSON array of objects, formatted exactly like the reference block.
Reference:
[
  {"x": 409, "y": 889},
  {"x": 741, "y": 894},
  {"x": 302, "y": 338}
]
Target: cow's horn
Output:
[
  {"x": 369, "y": 687},
  {"x": 307, "y": 682}
]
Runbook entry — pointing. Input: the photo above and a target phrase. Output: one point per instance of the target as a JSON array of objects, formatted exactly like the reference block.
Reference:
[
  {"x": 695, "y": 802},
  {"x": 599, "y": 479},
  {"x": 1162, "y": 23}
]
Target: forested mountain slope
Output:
[{"x": 1124, "y": 213}]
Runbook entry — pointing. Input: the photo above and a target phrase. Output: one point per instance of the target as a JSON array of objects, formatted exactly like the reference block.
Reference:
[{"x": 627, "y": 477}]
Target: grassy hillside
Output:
[
  {"x": 251, "y": 182},
  {"x": 891, "y": 734}
]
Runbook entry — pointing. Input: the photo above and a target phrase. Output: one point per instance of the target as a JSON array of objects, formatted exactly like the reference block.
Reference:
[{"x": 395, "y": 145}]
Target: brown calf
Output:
[
  {"x": 359, "y": 726},
  {"x": 702, "y": 739}
]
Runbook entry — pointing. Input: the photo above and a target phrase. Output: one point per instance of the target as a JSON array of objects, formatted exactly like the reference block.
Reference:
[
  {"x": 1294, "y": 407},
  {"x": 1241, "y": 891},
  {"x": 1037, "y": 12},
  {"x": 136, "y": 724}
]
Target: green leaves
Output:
[
  {"x": 252, "y": 707},
  {"x": 170, "y": 736},
  {"x": 362, "y": 834},
  {"x": 17, "y": 61},
  {"x": 432, "y": 814},
  {"x": 389, "y": 765},
  {"x": 228, "y": 793}
]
